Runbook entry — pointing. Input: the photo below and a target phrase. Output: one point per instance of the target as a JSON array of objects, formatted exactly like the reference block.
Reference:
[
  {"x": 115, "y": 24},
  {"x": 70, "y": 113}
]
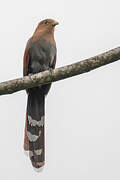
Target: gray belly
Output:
[{"x": 42, "y": 54}]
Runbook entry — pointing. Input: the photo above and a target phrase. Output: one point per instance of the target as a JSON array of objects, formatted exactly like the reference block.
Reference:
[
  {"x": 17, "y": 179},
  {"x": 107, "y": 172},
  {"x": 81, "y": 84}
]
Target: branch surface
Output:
[{"x": 9, "y": 87}]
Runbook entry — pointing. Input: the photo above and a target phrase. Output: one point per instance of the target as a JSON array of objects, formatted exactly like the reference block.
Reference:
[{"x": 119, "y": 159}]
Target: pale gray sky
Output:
[{"x": 83, "y": 112}]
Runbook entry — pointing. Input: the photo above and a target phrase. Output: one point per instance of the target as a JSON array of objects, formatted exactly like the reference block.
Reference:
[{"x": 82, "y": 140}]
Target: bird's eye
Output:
[{"x": 46, "y": 22}]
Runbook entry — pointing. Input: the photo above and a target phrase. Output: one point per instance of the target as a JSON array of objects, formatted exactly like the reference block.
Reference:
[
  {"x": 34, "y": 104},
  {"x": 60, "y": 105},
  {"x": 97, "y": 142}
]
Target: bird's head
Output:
[
  {"x": 47, "y": 25},
  {"x": 45, "y": 29}
]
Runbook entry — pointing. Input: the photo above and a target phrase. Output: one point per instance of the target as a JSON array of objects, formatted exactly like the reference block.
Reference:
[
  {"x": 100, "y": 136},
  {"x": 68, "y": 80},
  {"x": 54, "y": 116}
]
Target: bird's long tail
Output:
[{"x": 34, "y": 130}]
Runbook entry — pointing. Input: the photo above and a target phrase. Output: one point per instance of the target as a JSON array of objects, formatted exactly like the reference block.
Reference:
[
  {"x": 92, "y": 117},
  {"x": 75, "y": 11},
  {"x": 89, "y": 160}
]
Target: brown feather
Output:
[
  {"x": 26, "y": 140},
  {"x": 26, "y": 58}
]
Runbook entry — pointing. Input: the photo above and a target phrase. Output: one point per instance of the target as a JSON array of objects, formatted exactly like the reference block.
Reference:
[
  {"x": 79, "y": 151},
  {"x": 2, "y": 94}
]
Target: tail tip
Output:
[{"x": 38, "y": 167}]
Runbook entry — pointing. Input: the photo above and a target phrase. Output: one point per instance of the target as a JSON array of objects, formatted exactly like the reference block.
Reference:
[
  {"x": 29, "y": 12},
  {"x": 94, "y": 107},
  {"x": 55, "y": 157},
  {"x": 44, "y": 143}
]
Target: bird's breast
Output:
[{"x": 42, "y": 54}]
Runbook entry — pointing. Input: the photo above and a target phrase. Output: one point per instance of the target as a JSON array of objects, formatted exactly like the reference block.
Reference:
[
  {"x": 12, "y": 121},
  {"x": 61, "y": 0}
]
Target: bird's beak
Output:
[{"x": 55, "y": 23}]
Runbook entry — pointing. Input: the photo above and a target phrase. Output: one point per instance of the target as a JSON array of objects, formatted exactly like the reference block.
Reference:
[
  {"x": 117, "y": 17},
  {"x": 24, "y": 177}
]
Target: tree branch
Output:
[{"x": 45, "y": 77}]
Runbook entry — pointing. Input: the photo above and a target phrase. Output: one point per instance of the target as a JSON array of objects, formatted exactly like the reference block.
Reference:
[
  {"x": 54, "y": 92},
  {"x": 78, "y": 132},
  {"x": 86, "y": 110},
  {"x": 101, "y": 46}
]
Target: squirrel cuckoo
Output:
[{"x": 40, "y": 55}]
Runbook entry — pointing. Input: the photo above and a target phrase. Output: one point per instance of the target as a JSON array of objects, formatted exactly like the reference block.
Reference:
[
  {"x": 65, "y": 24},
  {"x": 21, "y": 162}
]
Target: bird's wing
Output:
[
  {"x": 26, "y": 58},
  {"x": 54, "y": 62}
]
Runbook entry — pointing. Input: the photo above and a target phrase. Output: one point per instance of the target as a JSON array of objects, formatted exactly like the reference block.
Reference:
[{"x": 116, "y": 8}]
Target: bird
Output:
[{"x": 40, "y": 55}]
